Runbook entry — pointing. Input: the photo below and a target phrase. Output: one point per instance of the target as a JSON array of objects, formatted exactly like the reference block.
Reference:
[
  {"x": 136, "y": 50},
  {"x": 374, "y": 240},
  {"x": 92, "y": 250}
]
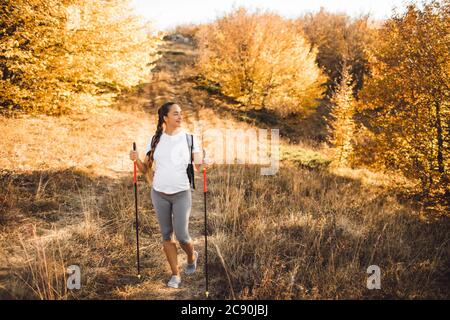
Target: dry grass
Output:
[
  {"x": 66, "y": 197},
  {"x": 44, "y": 268},
  {"x": 306, "y": 234},
  {"x": 97, "y": 140},
  {"x": 98, "y": 237}
]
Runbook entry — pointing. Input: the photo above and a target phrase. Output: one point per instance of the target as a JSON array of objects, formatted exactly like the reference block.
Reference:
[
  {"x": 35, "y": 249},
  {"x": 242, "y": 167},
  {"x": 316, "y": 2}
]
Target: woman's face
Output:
[{"x": 174, "y": 117}]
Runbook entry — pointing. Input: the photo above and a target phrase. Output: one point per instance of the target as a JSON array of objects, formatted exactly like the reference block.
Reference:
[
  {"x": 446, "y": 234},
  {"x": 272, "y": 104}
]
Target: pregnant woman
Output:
[{"x": 171, "y": 189}]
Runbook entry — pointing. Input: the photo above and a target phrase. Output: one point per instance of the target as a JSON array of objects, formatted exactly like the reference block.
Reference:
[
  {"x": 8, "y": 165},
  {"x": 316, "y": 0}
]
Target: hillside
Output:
[{"x": 308, "y": 232}]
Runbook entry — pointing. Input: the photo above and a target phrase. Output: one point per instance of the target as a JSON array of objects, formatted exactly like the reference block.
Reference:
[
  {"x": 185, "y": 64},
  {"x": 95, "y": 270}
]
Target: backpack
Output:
[{"x": 190, "y": 168}]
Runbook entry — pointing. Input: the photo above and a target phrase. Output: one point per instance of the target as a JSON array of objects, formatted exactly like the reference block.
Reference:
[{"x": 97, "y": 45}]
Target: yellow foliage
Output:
[
  {"x": 261, "y": 60},
  {"x": 407, "y": 97},
  {"x": 342, "y": 124},
  {"x": 55, "y": 53}
]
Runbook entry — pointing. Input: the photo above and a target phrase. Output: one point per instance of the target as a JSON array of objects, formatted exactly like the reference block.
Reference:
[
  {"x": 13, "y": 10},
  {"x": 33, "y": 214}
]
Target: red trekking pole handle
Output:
[
  {"x": 137, "y": 219},
  {"x": 204, "y": 171},
  {"x": 204, "y": 179},
  {"x": 134, "y": 178}
]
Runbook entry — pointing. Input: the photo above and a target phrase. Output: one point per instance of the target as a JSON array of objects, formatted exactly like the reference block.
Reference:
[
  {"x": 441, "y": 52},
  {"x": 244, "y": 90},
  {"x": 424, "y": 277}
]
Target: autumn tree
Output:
[
  {"x": 261, "y": 60},
  {"x": 339, "y": 39},
  {"x": 342, "y": 125},
  {"x": 71, "y": 54},
  {"x": 407, "y": 96}
]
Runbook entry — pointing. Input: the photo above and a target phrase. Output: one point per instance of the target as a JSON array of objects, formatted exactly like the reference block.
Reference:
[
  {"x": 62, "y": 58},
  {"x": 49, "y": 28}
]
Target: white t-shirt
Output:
[{"x": 171, "y": 158}]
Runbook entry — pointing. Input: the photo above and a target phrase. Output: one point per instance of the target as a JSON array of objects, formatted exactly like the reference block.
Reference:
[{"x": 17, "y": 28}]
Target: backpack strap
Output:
[
  {"x": 191, "y": 167},
  {"x": 190, "y": 143}
]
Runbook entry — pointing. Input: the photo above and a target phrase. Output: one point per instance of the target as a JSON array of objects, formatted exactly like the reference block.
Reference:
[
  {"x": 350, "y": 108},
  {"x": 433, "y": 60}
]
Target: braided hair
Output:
[{"x": 162, "y": 112}]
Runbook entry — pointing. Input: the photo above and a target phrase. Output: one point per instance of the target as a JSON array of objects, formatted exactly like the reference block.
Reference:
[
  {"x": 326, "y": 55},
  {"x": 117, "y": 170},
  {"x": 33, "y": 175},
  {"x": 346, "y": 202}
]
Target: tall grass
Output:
[
  {"x": 44, "y": 268},
  {"x": 310, "y": 234},
  {"x": 98, "y": 236}
]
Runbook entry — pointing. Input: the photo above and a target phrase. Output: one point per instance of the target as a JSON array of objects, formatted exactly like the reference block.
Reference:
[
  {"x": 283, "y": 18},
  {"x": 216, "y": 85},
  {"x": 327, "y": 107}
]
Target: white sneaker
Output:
[
  {"x": 190, "y": 268},
  {"x": 174, "y": 282}
]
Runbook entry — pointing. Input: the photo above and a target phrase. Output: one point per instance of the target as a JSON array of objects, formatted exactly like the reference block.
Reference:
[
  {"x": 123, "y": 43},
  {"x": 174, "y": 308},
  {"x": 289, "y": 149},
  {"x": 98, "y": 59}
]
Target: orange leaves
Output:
[
  {"x": 260, "y": 60},
  {"x": 57, "y": 65},
  {"x": 407, "y": 94}
]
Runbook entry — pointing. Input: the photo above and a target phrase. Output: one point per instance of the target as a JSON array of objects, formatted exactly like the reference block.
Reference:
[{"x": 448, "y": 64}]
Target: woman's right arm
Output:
[{"x": 142, "y": 166}]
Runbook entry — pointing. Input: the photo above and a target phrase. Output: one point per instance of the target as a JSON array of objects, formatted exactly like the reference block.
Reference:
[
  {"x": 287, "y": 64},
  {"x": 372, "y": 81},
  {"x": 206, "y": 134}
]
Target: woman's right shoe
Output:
[
  {"x": 174, "y": 282},
  {"x": 190, "y": 268}
]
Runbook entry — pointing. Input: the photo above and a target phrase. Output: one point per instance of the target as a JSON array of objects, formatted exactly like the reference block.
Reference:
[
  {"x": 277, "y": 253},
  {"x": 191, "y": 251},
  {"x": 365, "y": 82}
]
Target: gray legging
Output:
[{"x": 177, "y": 205}]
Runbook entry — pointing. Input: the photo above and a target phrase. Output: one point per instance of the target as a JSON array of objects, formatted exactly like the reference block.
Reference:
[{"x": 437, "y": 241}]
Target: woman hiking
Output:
[{"x": 171, "y": 188}]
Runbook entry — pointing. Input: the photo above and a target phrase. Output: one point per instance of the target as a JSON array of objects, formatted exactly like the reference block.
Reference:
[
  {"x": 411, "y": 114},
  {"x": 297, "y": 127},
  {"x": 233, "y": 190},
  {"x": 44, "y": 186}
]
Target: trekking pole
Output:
[
  {"x": 206, "y": 234},
  {"x": 137, "y": 220}
]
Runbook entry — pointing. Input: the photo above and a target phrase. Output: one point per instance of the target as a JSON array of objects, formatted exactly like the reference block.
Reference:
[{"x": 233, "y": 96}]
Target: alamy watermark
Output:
[
  {"x": 374, "y": 278},
  {"x": 74, "y": 278},
  {"x": 235, "y": 146}
]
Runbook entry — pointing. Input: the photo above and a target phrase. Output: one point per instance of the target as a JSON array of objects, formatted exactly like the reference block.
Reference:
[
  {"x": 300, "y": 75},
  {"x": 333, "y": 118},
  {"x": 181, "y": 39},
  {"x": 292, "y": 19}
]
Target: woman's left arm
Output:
[{"x": 198, "y": 161}]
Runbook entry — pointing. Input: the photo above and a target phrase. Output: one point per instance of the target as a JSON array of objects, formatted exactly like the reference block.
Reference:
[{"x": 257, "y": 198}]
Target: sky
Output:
[{"x": 166, "y": 14}]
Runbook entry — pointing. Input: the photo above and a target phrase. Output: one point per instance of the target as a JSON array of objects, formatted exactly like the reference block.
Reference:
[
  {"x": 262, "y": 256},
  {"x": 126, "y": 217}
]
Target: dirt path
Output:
[
  {"x": 75, "y": 165},
  {"x": 171, "y": 83}
]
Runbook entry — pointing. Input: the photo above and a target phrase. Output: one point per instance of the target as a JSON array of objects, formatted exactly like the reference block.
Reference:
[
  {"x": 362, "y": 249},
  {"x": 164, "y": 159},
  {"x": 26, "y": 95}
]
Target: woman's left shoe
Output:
[
  {"x": 174, "y": 282},
  {"x": 190, "y": 268}
]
